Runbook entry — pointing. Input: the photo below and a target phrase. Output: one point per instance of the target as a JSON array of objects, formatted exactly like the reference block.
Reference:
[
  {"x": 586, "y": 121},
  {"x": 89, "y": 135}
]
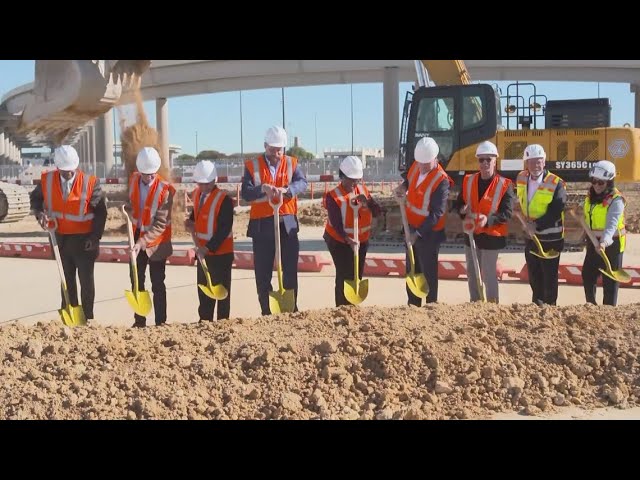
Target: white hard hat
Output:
[
  {"x": 487, "y": 148},
  {"x": 603, "y": 170},
  {"x": 66, "y": 158},
  {"x": 276, "y": 137},
  {"x": 352, "y": 167},
  {"x": 148, "y": 160},
  {"x": 205, "y": 172},
  {"x": 534, "y": 151},
  {"x": 426, "y": 150}
]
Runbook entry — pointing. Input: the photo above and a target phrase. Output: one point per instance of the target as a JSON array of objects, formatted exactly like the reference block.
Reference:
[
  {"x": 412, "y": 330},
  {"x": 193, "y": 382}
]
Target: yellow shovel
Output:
[
  {"x": 140, "y": 301},
  {"x": 280, "y": 300},
  {"x": 217, "y": 292},
  {"x": 417, "y": 283},
  {"x": 540, "y": 253},
  {"x": 72, "y": 316},
  {"x": 616, "y": 275},
  {"x": 356, "y": 290}
]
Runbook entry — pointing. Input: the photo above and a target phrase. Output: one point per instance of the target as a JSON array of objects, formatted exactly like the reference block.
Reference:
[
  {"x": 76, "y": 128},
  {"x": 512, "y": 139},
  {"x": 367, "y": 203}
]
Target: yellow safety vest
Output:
[
  {"x": 540, "y": 200},
  {"x": 596, "y": 217}
]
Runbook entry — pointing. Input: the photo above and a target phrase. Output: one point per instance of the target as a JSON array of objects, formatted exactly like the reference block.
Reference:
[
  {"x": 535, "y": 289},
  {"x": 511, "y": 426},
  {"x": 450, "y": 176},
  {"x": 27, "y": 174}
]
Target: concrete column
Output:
[
  {"x": 636, "y": 119},
  {"x": 85, "y": 149},
  {"x": 391, "y": 95},
  {"x": 92, "y": 151},
  {"x": 104, "y": 141},
  {"x": 162, "y": 125},
  {"x": 1, "y": 145}
]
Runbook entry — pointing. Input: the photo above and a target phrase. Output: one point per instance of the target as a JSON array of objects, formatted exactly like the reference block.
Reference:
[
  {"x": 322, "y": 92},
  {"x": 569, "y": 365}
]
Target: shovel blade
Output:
[
  {"x": 140, "y": 302},
  {"x": 281, "y": 301},
  {"x": 418, "y": 285},
  {"x": 216, "y": 292},
  {"x": 356, "y": 291},
  {"x": 72, "y": 316},
  {"x": 620, "y": 276},
  {"x": 545, "y": 255}
]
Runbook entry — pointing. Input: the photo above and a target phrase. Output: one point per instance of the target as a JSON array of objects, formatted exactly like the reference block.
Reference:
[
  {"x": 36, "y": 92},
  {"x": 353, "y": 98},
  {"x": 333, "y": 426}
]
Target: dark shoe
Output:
[{"x": 138, "y": 324}]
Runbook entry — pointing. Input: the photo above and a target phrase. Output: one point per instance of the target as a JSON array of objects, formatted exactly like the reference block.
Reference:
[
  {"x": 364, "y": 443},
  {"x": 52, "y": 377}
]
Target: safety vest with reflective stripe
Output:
[
  {"x": 73, "y": 214},
  {"x": 343, "y": 200},
  {"x": 206, "y": 219},
  {"x": 540, "y": 200},
  {"x": 419, "y": 196},
  {"x": 156, "y": 196},
  {"x": 489, "y": 202},
  {"x": 596, "y": 217},
  {"x": 259, "y": 170}
]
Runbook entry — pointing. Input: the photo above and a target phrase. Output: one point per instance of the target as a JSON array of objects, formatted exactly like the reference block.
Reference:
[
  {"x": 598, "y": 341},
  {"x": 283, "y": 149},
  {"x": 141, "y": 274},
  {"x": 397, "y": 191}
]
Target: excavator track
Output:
[{"x": 14, "y": 202}]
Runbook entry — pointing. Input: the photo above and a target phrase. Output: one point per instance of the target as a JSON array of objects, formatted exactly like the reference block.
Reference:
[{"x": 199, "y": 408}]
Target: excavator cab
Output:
[{"x": 456, "y": 117}]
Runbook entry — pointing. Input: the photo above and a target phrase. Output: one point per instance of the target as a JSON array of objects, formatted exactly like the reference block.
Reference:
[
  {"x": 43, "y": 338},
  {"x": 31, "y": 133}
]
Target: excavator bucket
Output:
[{"x": 69, "y": 93}]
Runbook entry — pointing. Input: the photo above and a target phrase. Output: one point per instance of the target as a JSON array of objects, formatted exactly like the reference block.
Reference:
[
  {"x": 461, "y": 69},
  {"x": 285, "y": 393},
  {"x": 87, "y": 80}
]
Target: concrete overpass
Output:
[{"x": 173, "y": 78}]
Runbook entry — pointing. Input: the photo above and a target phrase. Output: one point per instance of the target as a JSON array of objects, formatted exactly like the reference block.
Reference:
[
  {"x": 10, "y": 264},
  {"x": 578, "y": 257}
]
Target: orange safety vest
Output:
[
  {"x": 343, "y": 199},
  {"x": 419, "y": 196},
  {"x": 489, "y": 202},
  {"x": 156, "y": 196},
  {"x": 259, "y": 170},
  {"x": 206, "y": 220},
  {"x": 75, "y": 214}
]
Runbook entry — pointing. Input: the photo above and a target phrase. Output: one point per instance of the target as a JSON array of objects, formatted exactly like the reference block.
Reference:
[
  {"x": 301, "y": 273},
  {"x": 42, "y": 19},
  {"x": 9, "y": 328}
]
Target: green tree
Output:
[
  {"x": 301, "y": 153},
  {"x": 210, "y": 155},
  {"x": 184, "y": 158}
]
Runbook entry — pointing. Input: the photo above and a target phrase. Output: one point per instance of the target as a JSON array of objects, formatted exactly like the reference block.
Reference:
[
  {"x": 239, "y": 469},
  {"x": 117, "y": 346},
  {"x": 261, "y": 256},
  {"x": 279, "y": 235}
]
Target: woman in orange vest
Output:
[
  {"x": 339, "y": 233},
  {"x": 212, "y": 221},
  {"x": 426, "y": 187},
  {"x": 76, "y": 200},
  {"x": 149, "y": 206},
  {"x": 485, "y": 204}
]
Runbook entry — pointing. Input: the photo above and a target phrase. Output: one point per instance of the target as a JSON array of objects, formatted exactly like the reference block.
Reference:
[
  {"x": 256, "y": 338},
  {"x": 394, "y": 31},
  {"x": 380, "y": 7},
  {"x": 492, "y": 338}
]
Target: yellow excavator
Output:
[{"x": 459, "y": 114}]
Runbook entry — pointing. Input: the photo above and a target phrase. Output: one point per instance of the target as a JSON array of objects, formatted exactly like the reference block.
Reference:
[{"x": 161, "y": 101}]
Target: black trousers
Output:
[
  {"x": 220, "y": 270},
  {"x": 590, "y": 273},
  {"x": 264, "y": 252},
  {"x": 425, "y": 253},
  {"x": 543, "y": 274},
  {"x": 75, "y": 258},
  {"x": 342, "y": 255},
  {"x": 157, "y": 274}
]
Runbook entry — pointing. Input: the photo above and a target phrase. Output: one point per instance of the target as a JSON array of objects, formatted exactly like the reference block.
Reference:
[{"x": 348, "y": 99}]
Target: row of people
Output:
[{"x": 485, "y": 204}]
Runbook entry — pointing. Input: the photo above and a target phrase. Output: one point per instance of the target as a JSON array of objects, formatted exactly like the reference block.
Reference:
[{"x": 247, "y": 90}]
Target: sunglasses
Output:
[
  {"x": 598, "y": 182},
  {"x": 485, "y": 159}
]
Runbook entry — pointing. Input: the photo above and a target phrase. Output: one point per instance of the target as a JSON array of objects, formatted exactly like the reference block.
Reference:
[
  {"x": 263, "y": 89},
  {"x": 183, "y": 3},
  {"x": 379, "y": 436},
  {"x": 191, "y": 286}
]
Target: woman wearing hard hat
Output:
[
  {"x": 604, "y": 213},
  {"x": 426, "y": 188},
  {"x": 339, "y": 231},
  {"x": 485, "y": 204},
  {"x": 149, "y": 206},
  {"x": 76, "y": 200},
  {"x": 212, "y": 222}
]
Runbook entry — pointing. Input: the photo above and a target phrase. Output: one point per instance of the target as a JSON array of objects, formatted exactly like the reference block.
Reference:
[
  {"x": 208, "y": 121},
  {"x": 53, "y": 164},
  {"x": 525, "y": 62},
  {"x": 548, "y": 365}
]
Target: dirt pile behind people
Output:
[{"x": 438, "y": 362}]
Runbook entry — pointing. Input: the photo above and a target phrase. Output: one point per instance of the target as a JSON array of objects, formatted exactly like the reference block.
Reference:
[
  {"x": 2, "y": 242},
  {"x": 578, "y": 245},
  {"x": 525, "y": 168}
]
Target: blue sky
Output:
[{"x": 322, "y": 112}]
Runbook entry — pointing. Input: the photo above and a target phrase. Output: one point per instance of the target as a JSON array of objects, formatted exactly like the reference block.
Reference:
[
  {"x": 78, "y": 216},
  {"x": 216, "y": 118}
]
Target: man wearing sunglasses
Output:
[
  {"x": 604, "y": 214},
  {"x": 485, "y": 205},
  {"x": 542, "y": 197}
]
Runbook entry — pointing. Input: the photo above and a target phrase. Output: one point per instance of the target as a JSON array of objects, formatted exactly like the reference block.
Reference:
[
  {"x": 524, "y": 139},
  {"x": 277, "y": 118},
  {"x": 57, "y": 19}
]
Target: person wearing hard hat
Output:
[
  {"x": 339, "y": 233},
  {"x": 485, "y": 204},
  {"x": 75, "y": 199},
  {"x": 542, "y": 197},
  {"x": 604, "y": 213},
  {"x": 149, "y": 207},
  {"x": 212, "y": 222},
  {"x": 426, "y": 187},
  {"x": 272, "y": 177}
]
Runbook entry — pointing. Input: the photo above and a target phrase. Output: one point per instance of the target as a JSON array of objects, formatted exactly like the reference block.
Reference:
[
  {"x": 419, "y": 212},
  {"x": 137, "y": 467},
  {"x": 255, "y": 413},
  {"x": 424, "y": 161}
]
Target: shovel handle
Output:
[
  {"x": 587, "y": 230},
  {"x": 276, "y": 232},
  {"x": 56, "y": 253}
]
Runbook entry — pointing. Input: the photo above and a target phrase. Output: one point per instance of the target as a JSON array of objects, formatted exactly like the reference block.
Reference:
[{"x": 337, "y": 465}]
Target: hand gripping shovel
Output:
[
  {"x": 417, "y": 283},
  {"x": 72, "y": 316},
  {"x": 540, "y": 253},
  {"x": 140, "y": 301},
  {"x": 217, "y": 292},
  {"x": 475, "y": 264},
  {"x": 356, "y": 290},
  {"x": 280, "y": 300},
  {"x": 616, "y": 275}
]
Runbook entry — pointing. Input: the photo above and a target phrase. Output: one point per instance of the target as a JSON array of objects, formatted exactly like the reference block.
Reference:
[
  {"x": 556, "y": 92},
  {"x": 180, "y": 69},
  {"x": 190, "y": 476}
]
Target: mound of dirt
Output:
[
  {"x": 438, "y": 362},
  {"x": 315, "y": 215}
]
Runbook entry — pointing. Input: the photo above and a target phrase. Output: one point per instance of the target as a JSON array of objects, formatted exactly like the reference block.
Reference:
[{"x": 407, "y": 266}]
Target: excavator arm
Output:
[{"x": 447, "y": 72}]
